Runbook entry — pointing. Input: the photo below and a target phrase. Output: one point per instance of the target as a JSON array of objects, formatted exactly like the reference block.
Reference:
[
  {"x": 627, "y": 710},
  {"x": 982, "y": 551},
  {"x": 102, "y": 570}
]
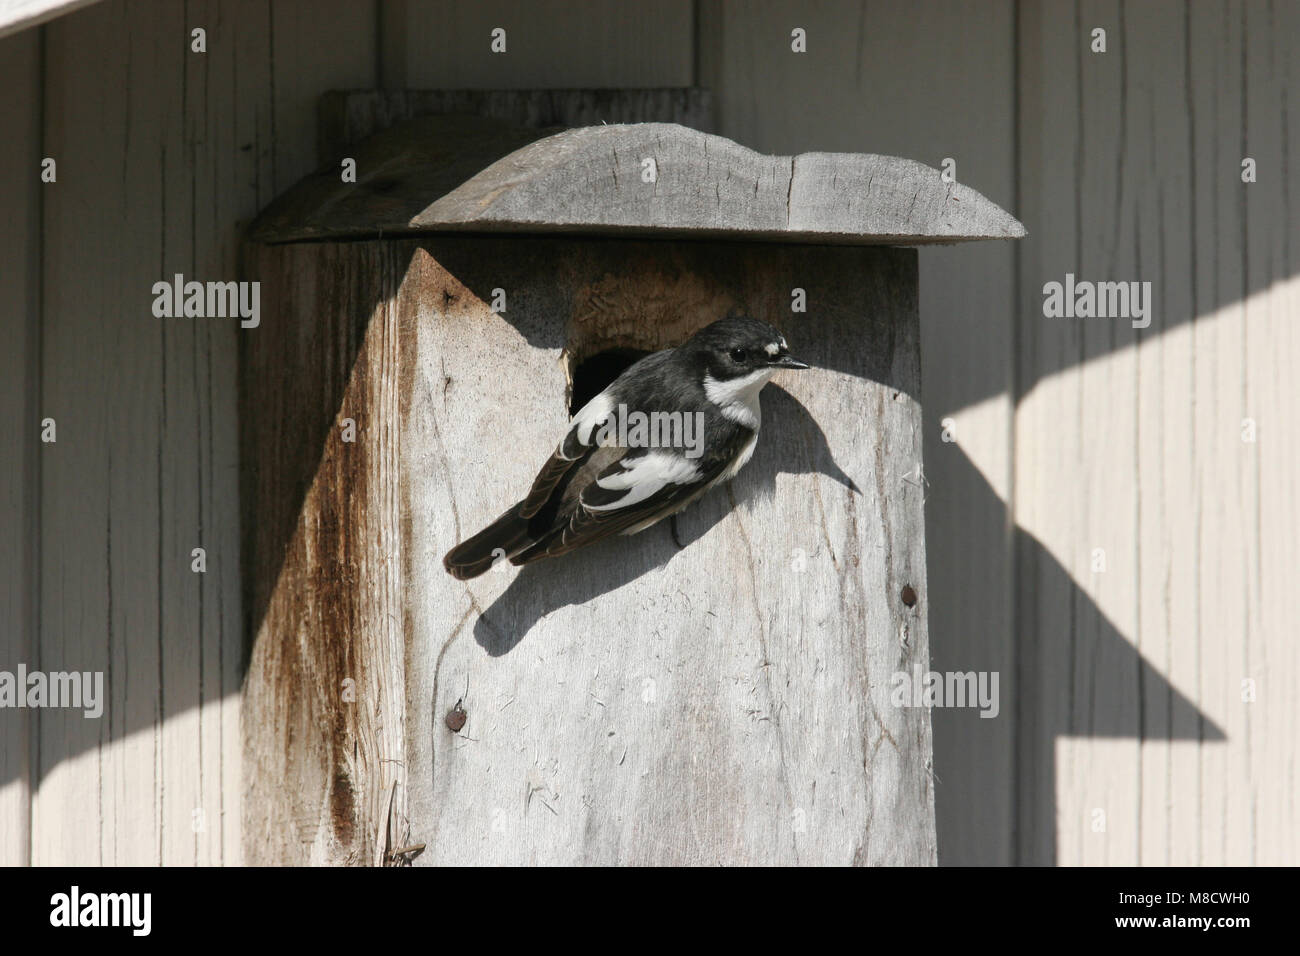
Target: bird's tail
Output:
[{"x": 501, "y": 539}]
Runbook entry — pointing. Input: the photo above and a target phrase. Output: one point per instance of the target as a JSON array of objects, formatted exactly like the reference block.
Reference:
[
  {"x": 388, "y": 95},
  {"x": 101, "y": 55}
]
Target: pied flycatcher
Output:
[{"x": 599, "y": 482}]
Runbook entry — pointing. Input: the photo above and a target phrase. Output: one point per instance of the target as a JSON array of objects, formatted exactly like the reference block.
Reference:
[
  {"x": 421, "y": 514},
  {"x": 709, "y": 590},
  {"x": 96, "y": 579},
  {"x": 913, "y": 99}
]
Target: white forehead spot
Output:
[{"x": 771, "y": 348}]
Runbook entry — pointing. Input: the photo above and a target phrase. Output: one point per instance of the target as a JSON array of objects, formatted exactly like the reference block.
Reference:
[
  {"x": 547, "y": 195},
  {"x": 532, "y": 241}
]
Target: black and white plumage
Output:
[{"x": 592, "y": 487}]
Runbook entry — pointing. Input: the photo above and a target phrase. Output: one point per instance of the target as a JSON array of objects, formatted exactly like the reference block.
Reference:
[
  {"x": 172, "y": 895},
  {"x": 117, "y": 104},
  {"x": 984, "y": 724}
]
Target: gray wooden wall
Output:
[
  {"x": 1131, "y": 441},
  {"x": 1121, "y": 690}
]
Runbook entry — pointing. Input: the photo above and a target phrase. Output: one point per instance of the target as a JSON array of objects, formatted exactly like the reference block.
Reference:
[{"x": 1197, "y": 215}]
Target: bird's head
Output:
[{"x": 739, "y": 347}]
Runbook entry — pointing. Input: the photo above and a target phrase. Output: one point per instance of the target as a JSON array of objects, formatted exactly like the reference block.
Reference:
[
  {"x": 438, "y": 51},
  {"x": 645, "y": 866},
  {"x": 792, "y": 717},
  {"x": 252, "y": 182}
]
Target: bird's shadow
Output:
[{"x": 538, "y": 589}]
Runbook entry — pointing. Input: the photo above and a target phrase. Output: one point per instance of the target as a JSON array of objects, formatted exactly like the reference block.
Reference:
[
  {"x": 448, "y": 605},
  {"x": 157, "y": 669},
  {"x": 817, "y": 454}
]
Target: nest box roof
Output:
[{"x": 470, "y": 174}]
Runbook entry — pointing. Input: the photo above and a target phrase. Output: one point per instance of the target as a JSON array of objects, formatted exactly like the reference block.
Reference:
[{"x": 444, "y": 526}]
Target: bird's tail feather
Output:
[{"x": 502, "y": 539}]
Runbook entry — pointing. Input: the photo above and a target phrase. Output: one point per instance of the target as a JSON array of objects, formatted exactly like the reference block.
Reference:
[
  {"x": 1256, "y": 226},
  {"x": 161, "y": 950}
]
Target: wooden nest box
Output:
[{"x": 426, "y": 332}]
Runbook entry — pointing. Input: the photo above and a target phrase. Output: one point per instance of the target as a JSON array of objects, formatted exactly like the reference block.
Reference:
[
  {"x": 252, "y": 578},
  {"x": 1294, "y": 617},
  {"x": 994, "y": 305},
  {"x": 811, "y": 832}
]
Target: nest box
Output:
[{"x": 426, "y": 332}]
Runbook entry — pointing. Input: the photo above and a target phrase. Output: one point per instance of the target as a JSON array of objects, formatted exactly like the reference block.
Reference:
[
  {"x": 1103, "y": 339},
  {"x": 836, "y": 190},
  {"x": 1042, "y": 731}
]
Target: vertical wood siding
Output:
[
  {"x": 163, "y": 155},
  {"x": 1136, "y": 744},
  {"x": 1121, "y": 690}
]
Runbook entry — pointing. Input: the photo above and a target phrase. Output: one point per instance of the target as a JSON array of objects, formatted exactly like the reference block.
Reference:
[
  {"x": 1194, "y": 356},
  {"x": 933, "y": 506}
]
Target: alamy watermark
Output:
[
  {"x": 949, "y": 689},
  {"x": 635, "y": 429},
  {"x": 1085, "y": 299},
  {"x": 208, "y": 300},
  {"x": 75, "y": 908},
  {"x": 55, "y": 689}
]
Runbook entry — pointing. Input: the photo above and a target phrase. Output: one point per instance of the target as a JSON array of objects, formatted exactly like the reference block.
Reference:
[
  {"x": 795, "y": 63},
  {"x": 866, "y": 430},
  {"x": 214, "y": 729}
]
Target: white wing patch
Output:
[
  {"x": 648, "y": 474},
  {"x": 737, "y": 398},
  {"x": 591, "y": 415}
]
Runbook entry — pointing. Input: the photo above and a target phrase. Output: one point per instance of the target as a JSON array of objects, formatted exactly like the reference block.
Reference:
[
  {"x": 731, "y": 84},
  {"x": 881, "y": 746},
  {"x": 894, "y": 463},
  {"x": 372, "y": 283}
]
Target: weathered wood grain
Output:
[
  {"x": 323, "y": 701},
  {"x": 726, "y": 703},
  {"x": 629, "y": 180}
]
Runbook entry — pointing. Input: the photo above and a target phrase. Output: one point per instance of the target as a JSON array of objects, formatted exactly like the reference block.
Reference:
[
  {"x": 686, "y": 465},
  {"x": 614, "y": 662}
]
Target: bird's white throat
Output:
[{"x": 737, "y": 398}]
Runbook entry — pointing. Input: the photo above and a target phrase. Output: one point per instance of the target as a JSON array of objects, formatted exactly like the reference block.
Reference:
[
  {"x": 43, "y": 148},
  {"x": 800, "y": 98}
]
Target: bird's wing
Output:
[
  {"x": 578, "y": 446},
  {"x": 639, "y": 488},
  {"x": 574, "y": 448}
]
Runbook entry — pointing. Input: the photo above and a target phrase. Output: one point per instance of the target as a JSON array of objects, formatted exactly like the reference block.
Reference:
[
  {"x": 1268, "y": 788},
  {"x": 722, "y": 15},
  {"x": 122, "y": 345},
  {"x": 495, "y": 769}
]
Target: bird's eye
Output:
[{"x": 738, "y": 354}]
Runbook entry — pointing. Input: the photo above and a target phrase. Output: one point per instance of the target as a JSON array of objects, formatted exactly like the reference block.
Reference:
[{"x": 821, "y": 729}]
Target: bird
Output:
[{"x": 606, "y": 478}]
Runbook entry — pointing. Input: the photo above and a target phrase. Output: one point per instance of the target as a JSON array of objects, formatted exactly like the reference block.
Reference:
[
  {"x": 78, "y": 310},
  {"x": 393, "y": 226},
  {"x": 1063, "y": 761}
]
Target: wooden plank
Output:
[
  {"x": 657, "y": 179},
  {"x": 324, "y": 700},
  {"x": 445, "y": 44},
  {"x": 96, "y": 600},
  {"x": 20, "y": 206},
  {"x": 1106, "y": 683},
  {"x": 146, "y": 468},
  {"x": 867, "y": 84},
  {"x": 202, "y": 730},
  {"x": 231, "y": 160},
  {"x": 1170, "y": 823},
  {"x": 1047, "y": 580},
  {"x": 1216, "y": 337},
  {"x": 183, "y": 816},
  {"x": 1080, "y": 553},
  {"x": 314, "y": 47},
  {"x": 661, "y": 712},
  {"x": 1273, "y": 240}
]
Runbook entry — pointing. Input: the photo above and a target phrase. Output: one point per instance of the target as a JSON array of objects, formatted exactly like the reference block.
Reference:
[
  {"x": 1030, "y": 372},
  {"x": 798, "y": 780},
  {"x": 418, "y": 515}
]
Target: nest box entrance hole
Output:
[
  {"x": 659, "y": 296},
  {"x": 593, "y": 374}
]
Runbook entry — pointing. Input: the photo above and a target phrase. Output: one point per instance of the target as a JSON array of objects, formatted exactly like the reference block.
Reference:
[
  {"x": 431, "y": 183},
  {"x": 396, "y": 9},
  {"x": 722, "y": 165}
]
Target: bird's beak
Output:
[{"x": 787, "y": 361}]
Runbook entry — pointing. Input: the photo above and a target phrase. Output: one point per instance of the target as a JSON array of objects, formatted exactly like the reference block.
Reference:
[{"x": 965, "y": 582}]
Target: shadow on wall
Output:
[{"x": 1123, "y": 697}]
